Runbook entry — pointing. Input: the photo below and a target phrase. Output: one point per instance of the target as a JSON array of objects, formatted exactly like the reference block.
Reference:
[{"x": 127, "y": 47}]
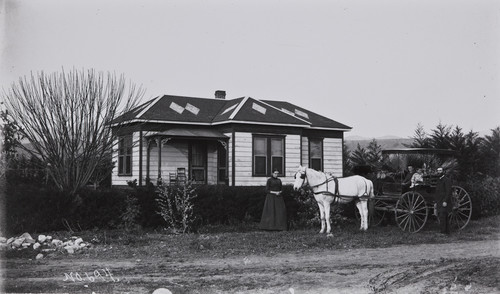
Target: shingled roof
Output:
[{"x": 210, "y": 111}]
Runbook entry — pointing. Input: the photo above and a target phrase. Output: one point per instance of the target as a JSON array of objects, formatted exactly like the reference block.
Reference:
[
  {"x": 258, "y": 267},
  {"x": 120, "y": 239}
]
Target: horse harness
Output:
[{"x": 336, "y": 194}]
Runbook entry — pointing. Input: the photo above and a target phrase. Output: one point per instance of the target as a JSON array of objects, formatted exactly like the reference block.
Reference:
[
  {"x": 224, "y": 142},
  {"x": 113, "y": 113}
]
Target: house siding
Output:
[
  {"x": 332, "y": 153},
  {"x": 292, "y": 152},
  {"x": 244, "y": 160},
  {"x": 173, "y": 155},
  {"x": 212, "y": 163},
  {"x": 305, "y": 151},
  {"x": 230, "y": 161}
]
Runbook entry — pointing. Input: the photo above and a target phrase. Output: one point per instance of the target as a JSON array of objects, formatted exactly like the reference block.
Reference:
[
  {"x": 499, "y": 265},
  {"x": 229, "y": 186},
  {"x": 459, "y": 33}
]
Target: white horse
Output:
[{"x": 328, "y": 189}]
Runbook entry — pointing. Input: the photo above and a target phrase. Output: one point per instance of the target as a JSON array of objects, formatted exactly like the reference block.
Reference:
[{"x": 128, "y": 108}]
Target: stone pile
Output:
[{"x": 43, "y": 244}]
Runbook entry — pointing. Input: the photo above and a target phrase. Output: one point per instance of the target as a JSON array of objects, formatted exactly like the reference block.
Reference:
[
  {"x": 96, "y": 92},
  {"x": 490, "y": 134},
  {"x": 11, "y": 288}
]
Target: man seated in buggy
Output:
[{"x": 406, "y": 183}]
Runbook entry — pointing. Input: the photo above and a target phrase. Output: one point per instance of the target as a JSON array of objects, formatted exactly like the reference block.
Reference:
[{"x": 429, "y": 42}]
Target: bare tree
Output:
[{"x": 66, "y": 117}]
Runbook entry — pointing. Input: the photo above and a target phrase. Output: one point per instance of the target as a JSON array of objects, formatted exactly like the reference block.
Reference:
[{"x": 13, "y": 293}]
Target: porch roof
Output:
[{"x": 190, "y": 133}]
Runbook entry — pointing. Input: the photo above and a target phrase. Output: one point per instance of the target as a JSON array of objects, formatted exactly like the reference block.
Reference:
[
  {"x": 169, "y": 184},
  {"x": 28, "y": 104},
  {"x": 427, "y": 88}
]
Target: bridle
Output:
[{"x": 303, "y": 176}]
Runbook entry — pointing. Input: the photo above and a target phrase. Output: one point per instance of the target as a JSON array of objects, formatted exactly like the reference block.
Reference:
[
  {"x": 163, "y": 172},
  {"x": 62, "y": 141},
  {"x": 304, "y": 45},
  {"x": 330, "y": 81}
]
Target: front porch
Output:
[{"x": 177, "y": 155}]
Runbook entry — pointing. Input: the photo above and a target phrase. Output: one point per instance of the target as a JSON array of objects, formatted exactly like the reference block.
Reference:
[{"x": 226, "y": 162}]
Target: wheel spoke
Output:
[
  {"x": 407, "y": 222},
  {"x": 419, "y": 217},
  {"x": 461, "y": 204},
  {"x": 420, "y": 203},
  {"x": 461, "y": 215},
  {"x": 420, "y": 209},
  {"x": 403, "y": 215},
  {"x": 410, "y": 223}
]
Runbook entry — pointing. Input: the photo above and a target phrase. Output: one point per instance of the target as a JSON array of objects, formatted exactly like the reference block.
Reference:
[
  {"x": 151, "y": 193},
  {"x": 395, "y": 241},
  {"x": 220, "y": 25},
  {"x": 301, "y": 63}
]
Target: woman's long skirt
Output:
[{"x": 274, "y": 214}]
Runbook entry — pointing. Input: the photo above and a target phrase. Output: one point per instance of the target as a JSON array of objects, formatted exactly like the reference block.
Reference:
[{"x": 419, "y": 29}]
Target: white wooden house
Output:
[{"x": 236, "y": 142}]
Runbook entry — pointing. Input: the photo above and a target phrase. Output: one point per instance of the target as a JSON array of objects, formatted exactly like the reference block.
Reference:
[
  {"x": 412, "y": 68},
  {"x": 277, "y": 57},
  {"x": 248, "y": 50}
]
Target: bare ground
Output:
[{"x": 460, "y": 267}]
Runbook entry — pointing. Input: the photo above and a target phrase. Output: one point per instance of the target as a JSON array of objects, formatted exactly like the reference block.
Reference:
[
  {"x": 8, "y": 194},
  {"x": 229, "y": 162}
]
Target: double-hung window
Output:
[
  {"x": 125, "y": 155},
  {"x": 316, "y": 154},
  {"x": 268, "y": 155}
]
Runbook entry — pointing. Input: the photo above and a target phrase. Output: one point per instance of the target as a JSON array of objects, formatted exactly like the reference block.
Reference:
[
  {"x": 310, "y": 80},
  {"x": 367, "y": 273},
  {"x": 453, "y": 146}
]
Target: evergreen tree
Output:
[
  {"x": 440, "y": 137},
  {"x": 420, "y": 138},
  {"x": 490, "y": 152},
  {"x": 346, "y": 155},
  {"x": 374, "y": 154},
  {"x": 359, "y": 156}
]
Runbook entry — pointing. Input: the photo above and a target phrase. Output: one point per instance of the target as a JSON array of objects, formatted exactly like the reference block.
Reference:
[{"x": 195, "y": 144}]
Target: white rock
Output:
[
  {"x": 39, "y": 256},
  {"x": 27, "y": 238},
  {"x": 17, "y": 242},
  {"x": 42, "y": 238},
  {"x": 83, "y": 244},
  {"x": 69, "y": 249},
  {"x": 49, "y": 238},
  {"x": 11, "y": 240},
  {"x": 3, "y": 240},
  {"x": 162, "y": 291},
  {"x": 68, "y": 243},
  {"x": 3, "y": 246},
  {"x": 36, "y": 246},
  {"x": 26, "y": 245},
  {"x": 78, "y": 241},
  {"x": 56, "y": 242}
]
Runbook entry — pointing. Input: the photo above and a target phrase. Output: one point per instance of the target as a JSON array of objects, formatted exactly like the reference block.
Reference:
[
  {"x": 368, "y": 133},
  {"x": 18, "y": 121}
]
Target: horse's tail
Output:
[{"x": 370, "y": 190}]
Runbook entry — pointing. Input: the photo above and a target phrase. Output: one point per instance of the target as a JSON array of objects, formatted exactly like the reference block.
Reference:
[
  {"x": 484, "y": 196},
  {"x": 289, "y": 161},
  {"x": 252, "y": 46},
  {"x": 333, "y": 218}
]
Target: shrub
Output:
[
  {"x": 31, "y": 208},
  {"x": 131, "y": 212},
  {"x": 146, "y": 200},
  {"x": 485, "y": 195},
  {"x": 176, "y": 206},
  {"x": 221, "y": 204}
]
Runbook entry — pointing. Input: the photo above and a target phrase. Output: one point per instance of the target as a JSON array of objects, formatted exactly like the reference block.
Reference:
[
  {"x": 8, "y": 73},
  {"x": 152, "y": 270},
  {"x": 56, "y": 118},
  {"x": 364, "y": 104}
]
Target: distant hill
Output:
[{"x": 386, "y": 142}]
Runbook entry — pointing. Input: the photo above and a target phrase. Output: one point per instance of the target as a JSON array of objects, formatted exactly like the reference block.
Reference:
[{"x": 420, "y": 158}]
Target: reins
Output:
[
  {"x": 328, "y": 179},
  {"x": 336, "y": 194}
]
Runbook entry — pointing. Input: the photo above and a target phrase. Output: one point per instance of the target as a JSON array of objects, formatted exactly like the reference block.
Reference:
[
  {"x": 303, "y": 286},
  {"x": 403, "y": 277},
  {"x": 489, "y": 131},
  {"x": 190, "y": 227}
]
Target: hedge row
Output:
[{"x": 33, "y": 209}]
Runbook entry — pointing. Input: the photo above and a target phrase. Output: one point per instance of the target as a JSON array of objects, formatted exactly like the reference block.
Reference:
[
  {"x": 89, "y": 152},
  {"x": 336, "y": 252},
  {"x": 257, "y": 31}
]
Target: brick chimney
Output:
[{"x": 220, "y": 94}]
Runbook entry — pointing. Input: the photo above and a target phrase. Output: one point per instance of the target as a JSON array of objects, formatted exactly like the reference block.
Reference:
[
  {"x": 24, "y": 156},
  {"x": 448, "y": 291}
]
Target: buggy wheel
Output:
[
  {"x": 411, "y": 212},
  {"x": 376, "y": 212},
  {"x": 461, "y": 210}
]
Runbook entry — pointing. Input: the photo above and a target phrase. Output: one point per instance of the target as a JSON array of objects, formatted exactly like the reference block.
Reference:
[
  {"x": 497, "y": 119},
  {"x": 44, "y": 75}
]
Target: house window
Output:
[
  {"x": 125, "y": 156},
  {"x": 268, "y": 154},
  {"x": 316, "y": 154}
]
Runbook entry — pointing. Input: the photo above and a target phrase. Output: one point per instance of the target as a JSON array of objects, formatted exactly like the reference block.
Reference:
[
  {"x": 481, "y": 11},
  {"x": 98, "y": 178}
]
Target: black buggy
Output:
[{"x": 413, "y": 207}]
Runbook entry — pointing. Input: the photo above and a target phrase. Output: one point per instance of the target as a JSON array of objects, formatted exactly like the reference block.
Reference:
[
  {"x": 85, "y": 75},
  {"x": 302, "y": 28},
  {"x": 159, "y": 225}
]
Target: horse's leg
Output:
[
  {"x": 327, "y": 218},
  {"x": 361, "y": 214},
  {"x": 321, "y": 216},
  {"x": 364, "y": 214}
]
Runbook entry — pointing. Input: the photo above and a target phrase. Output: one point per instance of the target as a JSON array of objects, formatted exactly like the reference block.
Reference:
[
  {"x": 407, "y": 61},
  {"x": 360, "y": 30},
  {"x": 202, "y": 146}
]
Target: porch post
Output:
[
  {"x": 233, "y": 163},
  {"x": 140, "y": 158},
  {"x": 148, "y": 155},
  {"x": 158, "y": 143}
]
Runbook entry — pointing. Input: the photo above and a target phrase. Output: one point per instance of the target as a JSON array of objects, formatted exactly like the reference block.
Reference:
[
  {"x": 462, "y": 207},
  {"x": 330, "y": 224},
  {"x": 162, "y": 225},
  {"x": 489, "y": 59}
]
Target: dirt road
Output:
[{"x": 467, "y": 267}]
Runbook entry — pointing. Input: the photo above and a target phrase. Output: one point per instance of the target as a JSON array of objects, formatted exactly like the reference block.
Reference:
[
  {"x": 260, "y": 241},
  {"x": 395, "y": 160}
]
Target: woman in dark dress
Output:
[{"x": 274, "y": 212}]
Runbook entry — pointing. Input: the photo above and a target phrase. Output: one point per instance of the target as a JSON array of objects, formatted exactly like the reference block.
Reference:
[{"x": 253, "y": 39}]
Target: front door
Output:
[{"x": 198, "y": 162}]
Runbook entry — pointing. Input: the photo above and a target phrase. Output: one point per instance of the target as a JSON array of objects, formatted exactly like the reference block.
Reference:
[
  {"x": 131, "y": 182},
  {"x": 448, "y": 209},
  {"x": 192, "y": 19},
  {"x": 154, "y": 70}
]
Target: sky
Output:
[{"x": 381, "y": 67}]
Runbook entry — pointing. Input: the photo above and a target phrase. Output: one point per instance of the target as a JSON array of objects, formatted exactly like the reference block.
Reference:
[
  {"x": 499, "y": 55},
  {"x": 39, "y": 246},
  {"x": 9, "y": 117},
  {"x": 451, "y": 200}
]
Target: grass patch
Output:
[{"x": 222, "y": 241}]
